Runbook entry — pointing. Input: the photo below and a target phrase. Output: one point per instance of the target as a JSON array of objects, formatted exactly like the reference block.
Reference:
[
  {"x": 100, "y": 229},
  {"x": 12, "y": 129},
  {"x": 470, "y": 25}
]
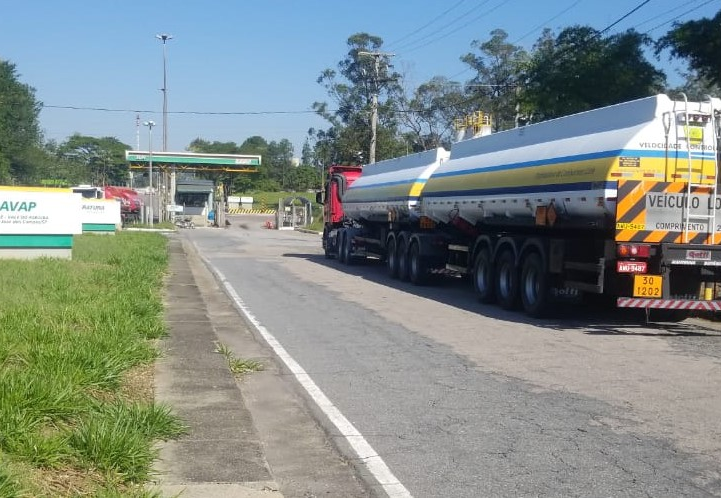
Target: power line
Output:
[
  {"x": 623, "y": 17},
  {"x": 229, "y": 113},
  {"x": 528, "y": 33},
  {"x": 407, "y": 47},
  {"x": 678, "y": 7},
  {"x": 211, "y": 113},
  {"x": 439, "y": 16},
  {"x": 679, "y": 16},
  {"x": 544, "y": 23}
]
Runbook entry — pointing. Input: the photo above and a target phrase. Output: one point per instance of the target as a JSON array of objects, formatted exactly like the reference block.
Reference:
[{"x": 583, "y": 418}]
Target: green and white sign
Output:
[
  {"x": 100, "y": 215},
  {"x": 37, "y": 222},
  {"x": 39, "y": 211}
]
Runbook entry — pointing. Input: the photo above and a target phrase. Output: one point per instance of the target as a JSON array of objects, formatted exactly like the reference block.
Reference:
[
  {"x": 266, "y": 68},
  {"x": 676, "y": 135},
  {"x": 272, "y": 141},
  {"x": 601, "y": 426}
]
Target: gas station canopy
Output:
[{"x": 191, "y": 161}]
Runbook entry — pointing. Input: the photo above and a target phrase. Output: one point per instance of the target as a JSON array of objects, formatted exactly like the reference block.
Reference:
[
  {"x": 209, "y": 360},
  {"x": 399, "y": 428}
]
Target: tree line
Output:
[{"x": 577, "y": 69}]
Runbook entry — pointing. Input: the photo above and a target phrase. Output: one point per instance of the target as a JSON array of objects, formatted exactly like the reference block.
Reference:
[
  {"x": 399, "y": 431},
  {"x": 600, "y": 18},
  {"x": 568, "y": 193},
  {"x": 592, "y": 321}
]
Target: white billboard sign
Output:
[
  {"x": 39, "y": 211},
  {"x": 100, "y": 211}
]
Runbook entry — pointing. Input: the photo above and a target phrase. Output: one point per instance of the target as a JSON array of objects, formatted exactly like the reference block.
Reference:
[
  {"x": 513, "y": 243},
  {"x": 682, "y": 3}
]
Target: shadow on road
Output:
[{"x": 591, "y": 317}]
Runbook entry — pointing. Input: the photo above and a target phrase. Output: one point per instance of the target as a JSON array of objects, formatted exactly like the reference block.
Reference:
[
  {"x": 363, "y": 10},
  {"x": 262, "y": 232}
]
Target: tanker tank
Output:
[
  {"x": 572, "y": 163},
  {"x": 391, "y": 188}
]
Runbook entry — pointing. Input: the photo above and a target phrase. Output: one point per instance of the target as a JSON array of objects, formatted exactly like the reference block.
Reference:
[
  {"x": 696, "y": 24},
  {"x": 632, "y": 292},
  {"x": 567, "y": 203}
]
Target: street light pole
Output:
[
  {"x": 149, "y": 210},
  {"x": 164, "y": 38}
]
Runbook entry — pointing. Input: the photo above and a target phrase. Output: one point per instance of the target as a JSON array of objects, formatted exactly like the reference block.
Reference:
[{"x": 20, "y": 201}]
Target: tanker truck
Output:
[{"x": 620, "y": 202}]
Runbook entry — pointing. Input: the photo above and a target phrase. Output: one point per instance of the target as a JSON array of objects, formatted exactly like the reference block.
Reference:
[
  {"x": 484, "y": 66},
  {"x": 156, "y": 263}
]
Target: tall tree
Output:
[
  {"x": 352, "y": 87},
  {"x": 279, "y": 160},
  {"x": 498, "y": 67},
  {"x": 103, "y": 158},
  {"x": 699, "y": 42},
  {"x": 430, "y": 113},
  {"x": 581, "y": 70},
  {"x": 696, "y": 87},
  {"x": 19, "y": 128},
  {"x": 263, "y": 179}
]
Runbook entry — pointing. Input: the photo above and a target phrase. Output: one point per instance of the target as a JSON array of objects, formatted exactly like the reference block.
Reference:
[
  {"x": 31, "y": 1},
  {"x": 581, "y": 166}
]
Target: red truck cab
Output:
[
  {"x": 131, "y": 203},
  {"x": 339, "y": 178}
]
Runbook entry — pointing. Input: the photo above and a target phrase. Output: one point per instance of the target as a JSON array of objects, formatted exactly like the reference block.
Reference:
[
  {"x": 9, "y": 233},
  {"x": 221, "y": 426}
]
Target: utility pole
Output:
[
  {"x": 149, "y": 209},
  {"x": 164, "y": 38},
  {"x": 374, "y": 100},
  {"x": 166, "y": 188},
  {"x": 137, "y": 131}
]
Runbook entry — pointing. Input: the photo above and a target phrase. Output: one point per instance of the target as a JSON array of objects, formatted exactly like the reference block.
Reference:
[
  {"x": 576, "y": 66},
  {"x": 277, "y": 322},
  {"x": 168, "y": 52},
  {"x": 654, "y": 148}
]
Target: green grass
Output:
[
  {"x": 238, "y": 366},
  {"x": 9, "y": 485},
  {"x": 162, "y": 225},
  {"x": 70, "y": 331}
]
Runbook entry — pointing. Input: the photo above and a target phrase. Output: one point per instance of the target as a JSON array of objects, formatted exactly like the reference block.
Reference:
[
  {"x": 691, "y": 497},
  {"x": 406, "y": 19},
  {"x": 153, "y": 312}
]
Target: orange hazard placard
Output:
[{"x": 647, "y": 285}]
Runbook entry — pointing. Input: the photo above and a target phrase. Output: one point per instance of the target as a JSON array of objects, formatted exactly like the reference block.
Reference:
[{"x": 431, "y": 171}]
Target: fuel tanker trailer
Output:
[{"x": 620, "y": 202}]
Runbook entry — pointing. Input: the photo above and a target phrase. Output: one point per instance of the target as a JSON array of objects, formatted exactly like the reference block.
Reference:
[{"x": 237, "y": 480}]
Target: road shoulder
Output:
[{"x": 249, "y": 436}]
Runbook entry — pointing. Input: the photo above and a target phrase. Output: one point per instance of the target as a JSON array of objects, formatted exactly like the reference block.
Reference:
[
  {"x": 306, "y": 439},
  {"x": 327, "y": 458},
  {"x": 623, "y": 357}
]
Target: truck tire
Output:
[
  {"x": 483, "y": 277},
  {"x": 403, "y": 260},
  {"x": 339, "y": 245},
  {"x": 507, "y": 293},
  {"x": 417, "y": 268},
  {"x": 326, "y": 246},
  {"x": 346, "y": 249},
  {"x": 534, "y": 286},
  {"x": 392, "y": 258}
]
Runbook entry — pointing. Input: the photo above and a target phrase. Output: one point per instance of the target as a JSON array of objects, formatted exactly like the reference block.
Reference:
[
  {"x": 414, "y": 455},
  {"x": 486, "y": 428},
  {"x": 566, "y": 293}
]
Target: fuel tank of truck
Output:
[
  {"x": 571, "y": 163},
  {"x": 389, "y": 190}
]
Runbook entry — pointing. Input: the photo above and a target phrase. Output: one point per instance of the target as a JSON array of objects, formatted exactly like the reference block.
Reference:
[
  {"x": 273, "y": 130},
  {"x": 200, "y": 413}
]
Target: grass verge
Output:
[{"x": 74, "y": 420}]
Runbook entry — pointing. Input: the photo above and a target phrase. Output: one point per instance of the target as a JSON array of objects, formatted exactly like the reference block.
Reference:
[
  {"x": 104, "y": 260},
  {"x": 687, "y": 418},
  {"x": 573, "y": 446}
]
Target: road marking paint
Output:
[{"x": 366, "y": 454}]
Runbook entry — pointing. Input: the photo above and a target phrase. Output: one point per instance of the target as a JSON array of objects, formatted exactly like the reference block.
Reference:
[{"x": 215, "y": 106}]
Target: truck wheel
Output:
[
  {"x": 346, "y": 249},
  {"x": 483, "y": 277},
  {"x": 339, "y": 245},
  {"x": 392, "y": 258},
  {"x": 326, "y": 246},
  {"x": 402, "y": 260},
  {"x": 507, "y": 281},
  {"x": 417, "y": 268},
  {"x": 534, "y": 286}
]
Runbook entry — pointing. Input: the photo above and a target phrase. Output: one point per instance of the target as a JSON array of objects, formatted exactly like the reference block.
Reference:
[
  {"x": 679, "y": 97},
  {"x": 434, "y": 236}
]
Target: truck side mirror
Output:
[{"x": 319, "y": 197}]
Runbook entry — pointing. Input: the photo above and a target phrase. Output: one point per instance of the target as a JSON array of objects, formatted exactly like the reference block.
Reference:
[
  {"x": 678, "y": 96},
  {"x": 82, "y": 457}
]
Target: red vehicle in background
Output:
[{"x": 131, "y": 203}]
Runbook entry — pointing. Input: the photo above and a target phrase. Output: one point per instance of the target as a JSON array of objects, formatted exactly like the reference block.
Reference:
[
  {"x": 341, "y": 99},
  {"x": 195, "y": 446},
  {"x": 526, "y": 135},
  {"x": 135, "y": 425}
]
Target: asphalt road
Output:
[{"x": 462, "y": 399}]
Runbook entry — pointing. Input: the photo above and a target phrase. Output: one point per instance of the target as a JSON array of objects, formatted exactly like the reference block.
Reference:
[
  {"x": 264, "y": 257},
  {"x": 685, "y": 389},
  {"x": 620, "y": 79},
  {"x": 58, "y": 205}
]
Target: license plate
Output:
[
  {"x": 647, "y": 285},
  {"x": 631, "y": 266}
]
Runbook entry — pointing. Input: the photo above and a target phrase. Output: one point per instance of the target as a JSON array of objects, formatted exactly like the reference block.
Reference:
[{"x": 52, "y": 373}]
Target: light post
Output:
[
  {"x": 164, "y": 38},
  {"x": 150, "y": 125}
]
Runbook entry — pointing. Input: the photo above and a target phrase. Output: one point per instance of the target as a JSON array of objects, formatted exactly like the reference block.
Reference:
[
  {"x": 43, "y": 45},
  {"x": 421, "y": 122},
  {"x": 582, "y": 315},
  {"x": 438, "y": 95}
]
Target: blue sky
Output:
[{"x": 260, "y": 57}]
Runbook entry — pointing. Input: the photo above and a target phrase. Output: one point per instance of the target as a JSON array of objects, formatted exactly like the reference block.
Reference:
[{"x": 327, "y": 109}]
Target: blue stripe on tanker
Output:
[
  {"x": 389, "y": 184},
  {"x": 546, "y": 162},
  {"x": 601, "y": 183},
  {"x": 576, "y": 158},
  {"x": 553, "y": 187},
  {"x": 386, "y": 199}
]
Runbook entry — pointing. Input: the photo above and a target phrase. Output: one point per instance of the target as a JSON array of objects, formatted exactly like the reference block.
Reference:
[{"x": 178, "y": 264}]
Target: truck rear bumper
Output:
[{"x": 672, "y": 304}]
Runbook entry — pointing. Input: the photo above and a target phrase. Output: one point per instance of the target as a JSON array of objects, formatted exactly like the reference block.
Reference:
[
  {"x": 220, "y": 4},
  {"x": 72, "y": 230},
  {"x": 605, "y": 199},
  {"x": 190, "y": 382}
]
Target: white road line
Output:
[{"x": 366, "y": 454}]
